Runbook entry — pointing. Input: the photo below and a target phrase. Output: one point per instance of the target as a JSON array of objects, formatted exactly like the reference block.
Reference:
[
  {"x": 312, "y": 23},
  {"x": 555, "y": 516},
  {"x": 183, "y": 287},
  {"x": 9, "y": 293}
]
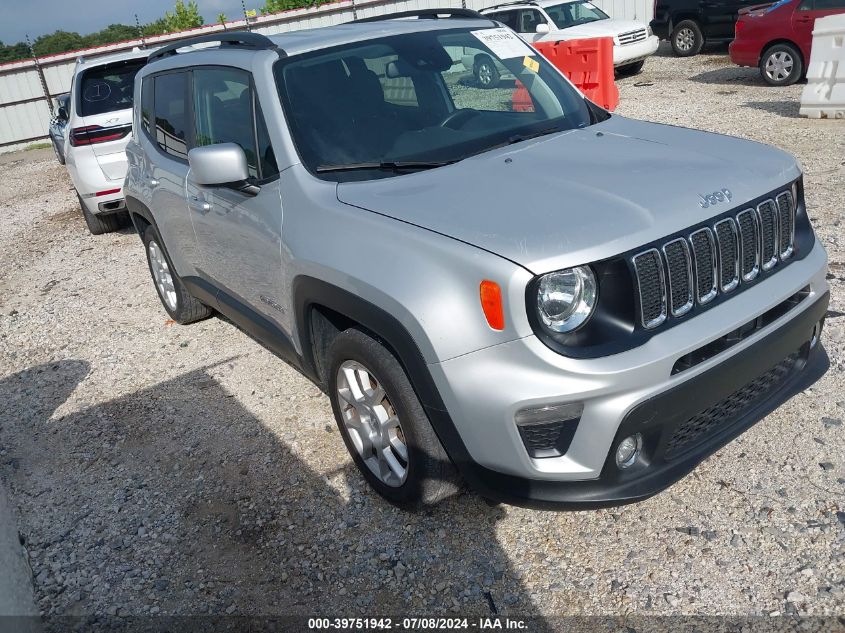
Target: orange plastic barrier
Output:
[{"x": 589, "y": 65}]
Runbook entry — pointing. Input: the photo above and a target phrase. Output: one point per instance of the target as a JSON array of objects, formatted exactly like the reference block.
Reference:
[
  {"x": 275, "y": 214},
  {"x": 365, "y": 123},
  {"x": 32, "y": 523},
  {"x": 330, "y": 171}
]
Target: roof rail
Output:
[
  {"x": 431, "y": 14},
  {"x": 512, "y": 3},
  {"x": 243, "y": 39}
]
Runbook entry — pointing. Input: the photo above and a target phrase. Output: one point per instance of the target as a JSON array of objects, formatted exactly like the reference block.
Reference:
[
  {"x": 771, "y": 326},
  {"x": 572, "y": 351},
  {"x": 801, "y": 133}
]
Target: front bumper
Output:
[
  {"x": 660, "y": 28},
  {"x": 483, "y": 391},
  {"x": 744, "y": 52},
  {"x": 631, "y": 53}
]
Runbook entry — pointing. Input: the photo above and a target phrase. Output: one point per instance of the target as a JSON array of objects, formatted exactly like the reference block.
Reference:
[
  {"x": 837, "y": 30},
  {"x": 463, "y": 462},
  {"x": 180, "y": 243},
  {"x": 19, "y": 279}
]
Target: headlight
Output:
[{"x": 566, "y": 299}]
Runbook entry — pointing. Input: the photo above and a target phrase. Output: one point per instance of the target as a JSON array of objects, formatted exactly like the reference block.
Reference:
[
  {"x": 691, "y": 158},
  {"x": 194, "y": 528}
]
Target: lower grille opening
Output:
[
  {"x": 548, "y": 439},
  {"x": 732, "y": 338},
  {"x": 714, "y": 419}
]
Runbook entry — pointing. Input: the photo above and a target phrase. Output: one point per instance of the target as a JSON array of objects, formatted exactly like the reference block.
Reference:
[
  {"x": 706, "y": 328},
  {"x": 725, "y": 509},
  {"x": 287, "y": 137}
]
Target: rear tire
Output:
[
  {"x": 687, "y": 39},
  {"x": 630, "y": 69},
  {"x": 781, "y": 65},
  {"x": 180, "y": 304},
  {"x": 383, "y": 424},
  {"x": 99, "y": 224},
  {"x": 486, "y": 73}
]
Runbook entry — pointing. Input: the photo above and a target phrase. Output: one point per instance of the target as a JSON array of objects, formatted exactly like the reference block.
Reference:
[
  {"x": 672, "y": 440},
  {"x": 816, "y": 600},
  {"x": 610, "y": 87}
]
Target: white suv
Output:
[
  {"x": 97, "y": 124},
  {"x": 553, "y": 20}
]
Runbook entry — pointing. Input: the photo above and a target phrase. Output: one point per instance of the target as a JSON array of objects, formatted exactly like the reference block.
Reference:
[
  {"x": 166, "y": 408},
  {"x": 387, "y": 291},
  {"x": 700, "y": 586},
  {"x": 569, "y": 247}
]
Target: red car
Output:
[{"x": 778, "y": 38}]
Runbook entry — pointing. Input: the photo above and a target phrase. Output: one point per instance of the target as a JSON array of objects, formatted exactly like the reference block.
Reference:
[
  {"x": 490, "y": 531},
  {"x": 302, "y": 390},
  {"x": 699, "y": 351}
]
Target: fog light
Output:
[{"x": 629, "y": 450}]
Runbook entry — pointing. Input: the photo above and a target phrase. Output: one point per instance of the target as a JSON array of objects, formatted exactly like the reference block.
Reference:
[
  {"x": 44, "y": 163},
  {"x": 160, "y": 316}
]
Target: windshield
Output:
[
  {"x": 389, "y": 105},
  {"x": 574, "y": 13},
  {"x": 108, "y": 88}
]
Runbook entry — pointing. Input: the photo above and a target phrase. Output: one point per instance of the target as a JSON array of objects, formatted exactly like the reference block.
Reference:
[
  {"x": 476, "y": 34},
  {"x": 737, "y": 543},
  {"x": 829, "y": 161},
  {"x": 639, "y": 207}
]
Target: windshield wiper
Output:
[
  {"x": 389, "y": 165},
  {"x": 518, "y": 138}
]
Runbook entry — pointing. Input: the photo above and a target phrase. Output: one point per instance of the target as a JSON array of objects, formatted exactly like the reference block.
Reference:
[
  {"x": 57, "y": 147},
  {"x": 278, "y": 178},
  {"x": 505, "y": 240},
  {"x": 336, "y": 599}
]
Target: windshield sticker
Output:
[
  {"x": 98, "y": 91},
  {"x": 531, "y": 64},
  {"x": 503, "y": 43}
]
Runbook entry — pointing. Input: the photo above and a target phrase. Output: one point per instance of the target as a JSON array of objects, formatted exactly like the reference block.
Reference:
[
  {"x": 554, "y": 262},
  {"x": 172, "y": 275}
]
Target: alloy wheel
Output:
[
  {"x": 372, "y": 423},
  {"x": 162, "y": 276},
  {"x": 685, "y": 39}
]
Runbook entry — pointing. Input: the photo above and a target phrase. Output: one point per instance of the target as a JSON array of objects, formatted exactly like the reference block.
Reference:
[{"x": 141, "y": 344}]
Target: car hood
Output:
[
  {"x": 582, "y": 195},
  {"x": 599, "y": 28}
]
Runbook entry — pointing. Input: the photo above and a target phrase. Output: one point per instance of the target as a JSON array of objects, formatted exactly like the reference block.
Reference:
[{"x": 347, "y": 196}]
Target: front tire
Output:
[
  {"x": 180, "y": 304},
  {"x": 486, "y": 73},
  {"x": 383, "y": 424},
  {"x": 687, "y": 38},
  {"x": 629, "y": 70},
  {"x": 781, "y": 65}
]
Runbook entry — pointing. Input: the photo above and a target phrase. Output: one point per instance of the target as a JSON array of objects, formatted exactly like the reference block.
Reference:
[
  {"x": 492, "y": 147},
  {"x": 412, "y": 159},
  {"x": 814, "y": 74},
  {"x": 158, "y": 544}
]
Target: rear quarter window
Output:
[{"x": 107, "y": 88}]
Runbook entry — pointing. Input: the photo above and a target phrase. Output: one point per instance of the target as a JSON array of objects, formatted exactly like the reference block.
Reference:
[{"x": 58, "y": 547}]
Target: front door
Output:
[{"x": 238, "y": 227}]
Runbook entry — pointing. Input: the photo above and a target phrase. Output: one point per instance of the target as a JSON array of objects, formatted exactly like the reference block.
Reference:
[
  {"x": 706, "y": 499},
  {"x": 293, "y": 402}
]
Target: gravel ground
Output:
[{"x": 185, "y": 470}]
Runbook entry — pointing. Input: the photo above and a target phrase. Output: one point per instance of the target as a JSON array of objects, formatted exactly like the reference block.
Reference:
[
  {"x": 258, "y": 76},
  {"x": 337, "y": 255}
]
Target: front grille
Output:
[
  {"x": 713, "y": 259},
  {"x": 749, "y": 241},
  {"x": 726, "y": 238},
  {"x": 767, "y": 213},
  {"x": 652, "y": 287},
  {"x": 786, "y": 222},
  {"x": 679, "y": 263},
  {"x": 725, "y": 413},
  {"x": 705, "y": 265},
  {"x": 632, "y": 36}
]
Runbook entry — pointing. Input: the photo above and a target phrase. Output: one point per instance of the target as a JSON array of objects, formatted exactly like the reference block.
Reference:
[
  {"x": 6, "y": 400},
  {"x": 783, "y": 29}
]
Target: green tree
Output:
[
  {"x": 274, "y": 6},
  {"x": 155, "y": 28},
  {"x": 221, "y": 18},
  {"x": 184, "y": 16},
  {"x": 112, "y": 33},
  {"x": 14, "y": 52},
  {"x": 59, "y": 42}
]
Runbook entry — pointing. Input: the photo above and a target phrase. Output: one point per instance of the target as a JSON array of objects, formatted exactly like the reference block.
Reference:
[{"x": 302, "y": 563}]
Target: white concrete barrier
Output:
[{"x": 824, "y": 94}]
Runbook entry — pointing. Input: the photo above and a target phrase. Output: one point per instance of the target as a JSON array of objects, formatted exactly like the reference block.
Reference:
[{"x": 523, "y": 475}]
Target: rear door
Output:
[
  {"x": 104, "y": 105},
  {"x": 238, "y": 231},
  {"x": 804, "y": 18},
  {"x": 165, "y": 119}
]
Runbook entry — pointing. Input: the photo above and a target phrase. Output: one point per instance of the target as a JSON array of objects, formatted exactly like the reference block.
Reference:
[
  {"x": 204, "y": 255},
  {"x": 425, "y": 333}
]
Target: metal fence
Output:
[{"x": 28, "y": 88}]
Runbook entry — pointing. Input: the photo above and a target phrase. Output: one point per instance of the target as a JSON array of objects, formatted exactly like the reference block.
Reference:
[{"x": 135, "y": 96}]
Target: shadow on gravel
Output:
[
  {"x": 176, "y": 499},
  {"x": 788, "y": 109},
  {"x": 731, "y": 75}
]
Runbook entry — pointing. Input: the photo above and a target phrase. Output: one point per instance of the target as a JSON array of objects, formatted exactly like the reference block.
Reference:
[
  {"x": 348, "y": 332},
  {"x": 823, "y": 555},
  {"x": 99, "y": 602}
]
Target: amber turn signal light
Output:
[{"x": 491, "y": 303}]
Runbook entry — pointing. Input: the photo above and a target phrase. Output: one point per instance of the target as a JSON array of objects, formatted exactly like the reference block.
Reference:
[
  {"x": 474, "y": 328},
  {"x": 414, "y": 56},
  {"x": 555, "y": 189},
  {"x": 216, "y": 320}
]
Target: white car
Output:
[
  {"x": 97, "y": 124},
  {"x": 553, "y": 20}
]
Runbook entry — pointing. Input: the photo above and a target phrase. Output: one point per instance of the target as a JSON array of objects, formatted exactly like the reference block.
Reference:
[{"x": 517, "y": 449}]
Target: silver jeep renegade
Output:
[{"x": 508, "y": 286}]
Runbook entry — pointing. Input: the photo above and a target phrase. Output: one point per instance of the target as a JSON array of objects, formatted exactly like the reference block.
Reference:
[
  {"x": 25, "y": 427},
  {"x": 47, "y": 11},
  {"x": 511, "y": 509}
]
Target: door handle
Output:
[{"x": 199, "y": 204}]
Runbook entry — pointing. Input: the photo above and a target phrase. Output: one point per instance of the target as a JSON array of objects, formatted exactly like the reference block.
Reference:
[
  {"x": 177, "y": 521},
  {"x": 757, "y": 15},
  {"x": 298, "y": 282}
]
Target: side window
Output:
[
  {"x": 223, "y": 111},
  {"x": 147, "y": 105},
  {"x": 266, "y": 156},
  {"x": 171, "y": 113},
  {"x": 823, "y": 5},
  {"x": 528, "y": 20},
  {"x": 508, "y": 18}
]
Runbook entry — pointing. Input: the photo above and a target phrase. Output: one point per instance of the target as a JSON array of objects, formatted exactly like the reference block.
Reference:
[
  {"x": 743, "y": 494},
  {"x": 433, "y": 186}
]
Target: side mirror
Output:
[
  {"x": 542, "y": 28},
  {"x": 62, "y": 114},
  {"x": 221, "y": 164}
]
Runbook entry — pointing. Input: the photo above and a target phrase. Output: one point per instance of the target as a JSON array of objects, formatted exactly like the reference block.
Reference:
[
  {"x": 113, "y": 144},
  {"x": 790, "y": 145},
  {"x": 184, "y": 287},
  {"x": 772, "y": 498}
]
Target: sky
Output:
[{"x": 39, "y": 17}]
